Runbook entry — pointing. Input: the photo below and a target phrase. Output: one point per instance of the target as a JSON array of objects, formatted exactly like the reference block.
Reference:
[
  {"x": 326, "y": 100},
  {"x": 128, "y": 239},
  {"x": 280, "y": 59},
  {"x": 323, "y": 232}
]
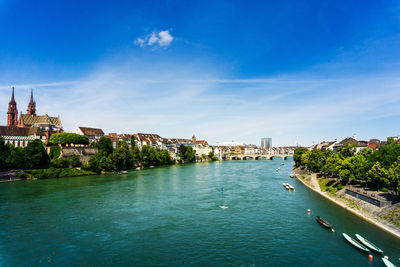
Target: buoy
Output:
[
  {"x": 309, "y": 211},
  {"x": 294, "y": 190},
  {"x": 333, "y": 230},
  {"x": 370, "y": 257}
]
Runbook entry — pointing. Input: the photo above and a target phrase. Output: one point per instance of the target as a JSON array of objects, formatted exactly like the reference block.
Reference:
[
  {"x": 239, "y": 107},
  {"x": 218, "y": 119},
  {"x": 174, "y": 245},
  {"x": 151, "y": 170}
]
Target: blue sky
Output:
[{"x": 223, "y": 70}]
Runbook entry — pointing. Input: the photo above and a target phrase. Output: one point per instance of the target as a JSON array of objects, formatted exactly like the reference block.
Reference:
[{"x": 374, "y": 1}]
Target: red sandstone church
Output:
[{"x": 29, "y": 126}]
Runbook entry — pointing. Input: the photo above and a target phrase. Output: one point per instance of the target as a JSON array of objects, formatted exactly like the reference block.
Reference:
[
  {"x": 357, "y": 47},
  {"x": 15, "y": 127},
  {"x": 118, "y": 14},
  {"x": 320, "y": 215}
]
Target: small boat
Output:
[
  {"x": 369, "y": 244},
  {"x": 323, "y": 222},
  {"x": 387, "y": 262},
  {"x": 355, "y": 243},
  {"x": 292, "y": 176},
  {"x": 123, "y": 172},
  {"x": 291, "y": 187}
]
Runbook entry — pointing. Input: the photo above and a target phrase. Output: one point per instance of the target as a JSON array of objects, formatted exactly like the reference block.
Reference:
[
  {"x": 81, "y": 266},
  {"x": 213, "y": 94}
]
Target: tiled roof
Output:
[
  {"x": 30, "y": 120},
  {"x": 91, "y": 131},
  {"x": 202, "y": 142},
  {"x": 19, "y": 131}
]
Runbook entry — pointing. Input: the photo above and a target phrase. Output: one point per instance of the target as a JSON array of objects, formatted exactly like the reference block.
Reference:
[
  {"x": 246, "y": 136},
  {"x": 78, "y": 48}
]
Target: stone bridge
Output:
[{"x": 257, "y": 157}]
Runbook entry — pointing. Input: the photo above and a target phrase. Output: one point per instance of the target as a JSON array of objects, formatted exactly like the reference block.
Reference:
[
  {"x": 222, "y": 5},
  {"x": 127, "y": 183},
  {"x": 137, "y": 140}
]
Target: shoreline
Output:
[{"x": 365, "y": 216}]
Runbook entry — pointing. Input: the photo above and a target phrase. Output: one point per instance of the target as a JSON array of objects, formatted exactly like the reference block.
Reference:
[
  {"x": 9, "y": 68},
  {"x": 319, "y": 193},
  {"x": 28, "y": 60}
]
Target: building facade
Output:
[{"x": 266, "y": 143}]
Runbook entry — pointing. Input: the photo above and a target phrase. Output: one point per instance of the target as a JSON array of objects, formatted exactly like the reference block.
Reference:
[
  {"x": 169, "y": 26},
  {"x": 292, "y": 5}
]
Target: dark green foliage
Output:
[
  {"x": 59, "y": 163},
  {"x": 55, "y": 152},
  {"x": 4, "y": 154},
  {"x": 212, "y": 156},
  {"x": 105, "y": 146},
  {"x": 58, "y": 173},
  {"x": 298, "y": 152},
  {"x": 381, "y": 168},
  {"x": 36, "y": 155},
  {"x": 121, "y": 157},
  {"x": 154, "y": 157},
  {"x": 100, "y": 162},
  {"x": 68, "y": 138},
  {"x": 186, "y": 153},
  {"x": 75, "y": 161},
  {"x": 135, "y": 154},
  {"x": 18, "y": 158}
]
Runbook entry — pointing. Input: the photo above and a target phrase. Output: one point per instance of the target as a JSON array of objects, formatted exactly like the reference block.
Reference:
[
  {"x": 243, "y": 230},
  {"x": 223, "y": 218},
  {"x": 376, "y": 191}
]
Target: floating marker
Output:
[
  {"x": 309, "y": 211},
  {"x": 333, "y": 230},
  {"x": 370, "y": 257}
]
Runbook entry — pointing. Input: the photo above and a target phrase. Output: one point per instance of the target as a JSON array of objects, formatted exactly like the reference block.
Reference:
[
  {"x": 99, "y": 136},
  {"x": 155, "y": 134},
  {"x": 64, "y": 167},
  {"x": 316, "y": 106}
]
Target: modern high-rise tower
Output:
[{"x": 266, "y": 142}]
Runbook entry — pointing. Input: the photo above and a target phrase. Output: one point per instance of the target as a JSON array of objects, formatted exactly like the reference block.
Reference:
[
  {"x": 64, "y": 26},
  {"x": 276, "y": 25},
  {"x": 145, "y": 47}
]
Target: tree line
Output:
[
  {"x": 127, "y": 157},
  {"x": 379, "y": 169}
]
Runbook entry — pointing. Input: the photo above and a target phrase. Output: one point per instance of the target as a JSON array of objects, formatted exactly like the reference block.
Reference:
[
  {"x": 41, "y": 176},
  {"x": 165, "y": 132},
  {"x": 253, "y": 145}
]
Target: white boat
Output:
[
  {"x": 292, "y": 175},
  {"x": 387, "y": 262},
  {"x": 291, "y": 187}
]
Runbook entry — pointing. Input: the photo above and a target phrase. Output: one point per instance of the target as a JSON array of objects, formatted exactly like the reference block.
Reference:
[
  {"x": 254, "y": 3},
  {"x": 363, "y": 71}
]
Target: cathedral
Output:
[{"x": 29, "y": 126}]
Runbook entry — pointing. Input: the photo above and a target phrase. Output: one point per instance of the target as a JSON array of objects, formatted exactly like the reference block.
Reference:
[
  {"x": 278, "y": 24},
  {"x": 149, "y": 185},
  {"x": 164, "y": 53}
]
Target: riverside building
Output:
[{"x": 27, "y": 127}]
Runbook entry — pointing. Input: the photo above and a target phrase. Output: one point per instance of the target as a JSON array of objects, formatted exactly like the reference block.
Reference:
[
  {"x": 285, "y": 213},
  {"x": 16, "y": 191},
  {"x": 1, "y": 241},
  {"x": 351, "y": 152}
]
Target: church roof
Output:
[
  {"x": 30, "y": 120},
  {"x": 18, "y": 131}
]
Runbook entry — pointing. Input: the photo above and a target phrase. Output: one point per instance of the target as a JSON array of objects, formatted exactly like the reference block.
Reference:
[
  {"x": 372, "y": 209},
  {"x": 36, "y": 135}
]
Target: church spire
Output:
[
  {"x": 31, "y": 106},
  {"x": 12, "y": 114}
]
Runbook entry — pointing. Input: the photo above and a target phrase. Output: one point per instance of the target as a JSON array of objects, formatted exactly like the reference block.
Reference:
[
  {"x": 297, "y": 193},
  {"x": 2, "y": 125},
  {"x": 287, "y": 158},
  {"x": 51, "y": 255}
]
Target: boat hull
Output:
[
  {"x": 355, "y": 243},
  {"x": 368, "y": 244}
]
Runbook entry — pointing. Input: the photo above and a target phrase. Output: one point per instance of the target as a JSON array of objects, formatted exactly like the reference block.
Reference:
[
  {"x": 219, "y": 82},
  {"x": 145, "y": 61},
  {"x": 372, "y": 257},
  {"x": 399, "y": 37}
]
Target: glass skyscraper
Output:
[{"x": 266, "y": 142}]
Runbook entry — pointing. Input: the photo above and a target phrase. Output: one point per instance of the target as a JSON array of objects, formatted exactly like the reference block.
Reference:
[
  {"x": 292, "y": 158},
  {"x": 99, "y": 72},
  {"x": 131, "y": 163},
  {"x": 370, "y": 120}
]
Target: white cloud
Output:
[{"x": 154, "y": 39}]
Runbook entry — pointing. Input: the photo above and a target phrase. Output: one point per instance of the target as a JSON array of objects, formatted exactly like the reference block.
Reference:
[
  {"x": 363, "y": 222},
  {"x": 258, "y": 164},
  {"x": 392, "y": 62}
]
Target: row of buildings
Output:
[{"x": 358, "y": 144}]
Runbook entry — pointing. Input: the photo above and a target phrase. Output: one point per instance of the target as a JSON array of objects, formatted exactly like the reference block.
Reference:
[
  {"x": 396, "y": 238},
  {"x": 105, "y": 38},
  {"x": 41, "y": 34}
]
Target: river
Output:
[{"x": 172, "y": 216}]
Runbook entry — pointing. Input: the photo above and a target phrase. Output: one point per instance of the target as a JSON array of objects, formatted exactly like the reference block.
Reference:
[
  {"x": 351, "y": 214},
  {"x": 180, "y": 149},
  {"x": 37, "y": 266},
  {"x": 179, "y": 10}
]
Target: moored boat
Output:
[
  {"x": 368, "y": 244},
  {"x": 292, "y": 176},
  {"x": 355, "y": 243},
  {"x": 388, "y": 263},
  {"x": 323, "y": 222}
]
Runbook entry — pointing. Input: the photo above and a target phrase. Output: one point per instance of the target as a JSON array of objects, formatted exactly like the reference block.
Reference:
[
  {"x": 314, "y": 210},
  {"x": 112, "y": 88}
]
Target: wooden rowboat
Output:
[
  {"x": 355, "y": 243},
  {"x": 323, "y": 222},
  {"x": 369, "y": 244}
]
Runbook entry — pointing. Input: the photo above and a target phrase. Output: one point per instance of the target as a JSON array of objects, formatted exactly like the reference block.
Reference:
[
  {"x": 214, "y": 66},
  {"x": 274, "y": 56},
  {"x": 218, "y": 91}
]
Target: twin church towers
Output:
[{"x": 12, "y": 114}]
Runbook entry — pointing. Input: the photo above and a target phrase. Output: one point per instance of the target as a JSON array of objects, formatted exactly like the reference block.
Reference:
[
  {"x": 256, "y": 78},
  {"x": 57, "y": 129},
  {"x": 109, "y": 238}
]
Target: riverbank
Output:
[{"x": 366, "y": 211}]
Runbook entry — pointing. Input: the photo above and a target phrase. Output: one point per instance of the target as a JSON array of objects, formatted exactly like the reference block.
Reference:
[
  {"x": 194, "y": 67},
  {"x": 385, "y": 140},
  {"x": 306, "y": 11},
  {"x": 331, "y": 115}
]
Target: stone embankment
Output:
[{"x": 387, "y": 218}]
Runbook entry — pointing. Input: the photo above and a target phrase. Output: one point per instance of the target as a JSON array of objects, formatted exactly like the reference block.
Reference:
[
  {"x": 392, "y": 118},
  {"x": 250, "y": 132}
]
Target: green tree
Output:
[
  {"x": 75, "y": 161},
  {"x": 133, "y": 143},
  {"x": 55, "y": 152},
  {"x": 378, "y": 175},
  {"x": 121, "y": 157},
  {"x": 212, "y": 156},
  {"x": 18, "y": 158},
  {"x": 394, "y": 176},
  {"x": 36, "y": 155},
  {"x": 332, "y": 165},
  {"x": 4, "y": 154},
  {"x": 100, "y": 162},
  {"x": 105, "y": 145},
  {"x": 59, "y": 163},
  {"x": 387, "y": 154},
  {"x": 346, "y": 151},
  {"x": 136, "y": 154},
  {"x": 298, "y": 152},
  {"x": 68, "y": 138}
]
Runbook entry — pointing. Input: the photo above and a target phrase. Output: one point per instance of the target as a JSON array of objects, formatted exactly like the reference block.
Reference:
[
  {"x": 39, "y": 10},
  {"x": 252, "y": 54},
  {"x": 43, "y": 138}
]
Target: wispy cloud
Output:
[
  {"x": 175, "y": 101},
  {"x": 155, "y": 39}
]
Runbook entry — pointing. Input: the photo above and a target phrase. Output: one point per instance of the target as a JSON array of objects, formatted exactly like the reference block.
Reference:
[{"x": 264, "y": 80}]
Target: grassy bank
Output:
[{"x": 56, "y": 173}]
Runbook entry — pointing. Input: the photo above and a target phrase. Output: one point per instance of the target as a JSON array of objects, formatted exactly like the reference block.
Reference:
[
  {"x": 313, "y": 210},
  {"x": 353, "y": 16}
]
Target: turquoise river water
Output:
[{"x": 171, "y": 216}]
